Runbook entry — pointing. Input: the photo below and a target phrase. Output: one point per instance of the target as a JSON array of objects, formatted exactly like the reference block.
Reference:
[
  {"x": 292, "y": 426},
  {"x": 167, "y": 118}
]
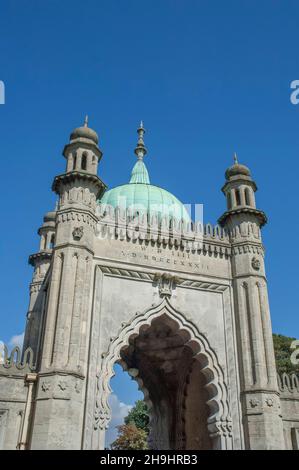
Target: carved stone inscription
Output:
[{"x": 171, "y": 258}]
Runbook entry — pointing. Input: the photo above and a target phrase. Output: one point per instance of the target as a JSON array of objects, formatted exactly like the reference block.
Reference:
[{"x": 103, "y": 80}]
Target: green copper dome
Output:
[{"x": 141, "y": 196}]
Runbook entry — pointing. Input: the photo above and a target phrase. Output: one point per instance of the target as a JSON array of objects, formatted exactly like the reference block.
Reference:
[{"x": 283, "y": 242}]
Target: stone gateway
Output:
[{"x": 124, "y": 276}]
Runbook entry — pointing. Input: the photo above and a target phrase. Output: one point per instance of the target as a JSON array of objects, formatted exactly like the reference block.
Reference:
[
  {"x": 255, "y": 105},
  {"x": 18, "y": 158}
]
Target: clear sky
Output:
[{"x": 207, "y": 77}]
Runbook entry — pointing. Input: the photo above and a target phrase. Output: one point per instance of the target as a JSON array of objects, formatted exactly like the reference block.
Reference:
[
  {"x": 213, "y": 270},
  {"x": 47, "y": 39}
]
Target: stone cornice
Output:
[
  {"x": 80, "y": 215},
  {"x": 260, "y": 215},
  {"x": 60, "y": 372},
  {"x": 73, "y": 245},
  {"x": 247, "y": 247},
  {"x": 72, "y": 176},
  {"x": 40, "y": 256},
  {"x": 211, "y": 240}
]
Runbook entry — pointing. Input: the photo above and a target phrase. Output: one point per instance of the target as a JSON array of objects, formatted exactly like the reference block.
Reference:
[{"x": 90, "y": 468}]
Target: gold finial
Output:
[
  {"x": 140, "y": 149},
  {"x": 86, "y": 121},
  {"x": 235, "y": 158}
]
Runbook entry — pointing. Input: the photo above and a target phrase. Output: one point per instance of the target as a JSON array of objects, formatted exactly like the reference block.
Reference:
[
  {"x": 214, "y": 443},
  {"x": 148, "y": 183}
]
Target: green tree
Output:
[
  {"x": 130, "y": 438},
  {"x": 283, "y": 351},
  {"x": 139, "y": 416}
]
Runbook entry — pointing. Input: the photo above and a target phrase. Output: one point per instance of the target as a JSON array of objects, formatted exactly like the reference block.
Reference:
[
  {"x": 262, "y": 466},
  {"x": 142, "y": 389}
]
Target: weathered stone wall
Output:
[
  {"x": 289, "y": 399},
  {"x": 13, "y": 394}
]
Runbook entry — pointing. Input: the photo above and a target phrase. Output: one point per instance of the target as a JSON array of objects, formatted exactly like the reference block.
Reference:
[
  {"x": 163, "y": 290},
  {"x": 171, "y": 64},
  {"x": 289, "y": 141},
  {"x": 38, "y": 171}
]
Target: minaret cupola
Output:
[
  {"x": 47, "y": 231},
  {"x": 239, "y": 190},
  {"x": 83, "y": 153},
  {"x": 80, "y": 184}
]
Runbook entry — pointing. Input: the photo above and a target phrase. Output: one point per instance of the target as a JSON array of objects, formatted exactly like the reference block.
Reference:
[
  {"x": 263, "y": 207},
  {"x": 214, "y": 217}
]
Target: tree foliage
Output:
[
  {"x": 130, "y": 438},
  {"x": 139, "y": 416},
  {"x": 283, "y": 353}
]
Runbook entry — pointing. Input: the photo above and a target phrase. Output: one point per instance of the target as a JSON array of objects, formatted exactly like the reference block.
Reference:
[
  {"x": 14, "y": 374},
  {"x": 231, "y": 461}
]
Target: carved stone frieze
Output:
[{"x": 165, "y": 281}]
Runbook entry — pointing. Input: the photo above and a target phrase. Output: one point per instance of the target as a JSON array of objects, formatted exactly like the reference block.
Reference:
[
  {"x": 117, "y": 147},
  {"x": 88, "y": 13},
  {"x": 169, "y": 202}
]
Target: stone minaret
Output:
[
  {"x": 64, "y": 348},
  {"x": 259, "y": 391},
  {"x": 40, "y": 262}
]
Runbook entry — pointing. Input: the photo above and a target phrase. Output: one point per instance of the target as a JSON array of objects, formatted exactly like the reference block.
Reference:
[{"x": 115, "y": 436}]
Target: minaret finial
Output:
[
  {"x": 235, "y": 158},
  {"x": 86, "y": 121},
  {"x": 140, "y": 149}
]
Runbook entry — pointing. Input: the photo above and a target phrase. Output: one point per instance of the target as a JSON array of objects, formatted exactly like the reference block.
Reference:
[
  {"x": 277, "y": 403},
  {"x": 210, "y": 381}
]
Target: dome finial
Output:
[
  {"x": 235, "y": 158},
  {"x": 86, "y": 121},
  {"x": 140, "y": 149}
]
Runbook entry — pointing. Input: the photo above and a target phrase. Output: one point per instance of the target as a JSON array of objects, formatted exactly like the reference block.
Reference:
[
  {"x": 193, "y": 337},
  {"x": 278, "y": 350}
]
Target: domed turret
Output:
[
  {"x": 50, "y": 216},
  {"x": 47, "y": 231},
  {"x": 82, "y": 153},
  {"x": 239, "y": 190}
]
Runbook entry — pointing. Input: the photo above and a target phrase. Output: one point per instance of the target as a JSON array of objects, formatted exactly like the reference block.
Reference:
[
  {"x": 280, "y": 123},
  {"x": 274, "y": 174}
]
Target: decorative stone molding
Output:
[
  {"x": 202, "y": 285},
  {"x": 288, "y": 383},
  {"x": 260, "y": 215},
  {"x": 166, "y": 283},
  {"x": 45, "y": 386},
  {"x": 119, "y": 272},
  {"x": 255, "y": 263},
  {"x": 219, "y": 421},
  {"x": 221, "y": 429},
  {"x": 62, "y": 385},
  {"x": 269, "y": 402},
  {"x": 35, "y": 287},
  {"x": 195, "y": 238},
  {"x": 248, "y": 248},
  {"x": 16, "y": 360},
  {"x": 78, "y": 233},
  {"x": 40, "y": 257},
  {"x": 77, "y": 216},
  {"x": 254, "y": 402},
  {"x": 130, "y": 220},
  {"x": 157, "y": 277},
  {"x": 61, "y": 182},
  {"x": 206, "y": 249}
]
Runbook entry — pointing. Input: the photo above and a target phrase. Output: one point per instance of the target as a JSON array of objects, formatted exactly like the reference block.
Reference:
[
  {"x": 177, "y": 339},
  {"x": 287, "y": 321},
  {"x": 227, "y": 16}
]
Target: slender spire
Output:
[
  {"x": 235, "y": 159},
  {"x": 140, "y": 149},
  {"x": 86, "y": 121},
  {"x": 139, "y": 173}
]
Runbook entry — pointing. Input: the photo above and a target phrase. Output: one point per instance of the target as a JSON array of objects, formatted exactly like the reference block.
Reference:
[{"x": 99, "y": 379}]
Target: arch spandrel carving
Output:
[{"x": 219, "y": 420}]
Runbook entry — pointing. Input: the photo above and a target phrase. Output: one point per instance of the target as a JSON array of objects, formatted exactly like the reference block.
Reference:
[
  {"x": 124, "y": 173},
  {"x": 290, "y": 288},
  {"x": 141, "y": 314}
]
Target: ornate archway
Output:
[{"x": 200, "y": 364}]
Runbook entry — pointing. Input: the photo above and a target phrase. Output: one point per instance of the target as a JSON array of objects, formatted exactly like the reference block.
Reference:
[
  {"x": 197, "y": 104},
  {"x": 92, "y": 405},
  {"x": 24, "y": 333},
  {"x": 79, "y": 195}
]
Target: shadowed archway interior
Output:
[{"x": 174, "y": 385}]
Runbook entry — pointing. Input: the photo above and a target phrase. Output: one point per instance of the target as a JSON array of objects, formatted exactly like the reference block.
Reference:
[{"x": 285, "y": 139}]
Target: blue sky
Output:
[{"x": 207, "y": 77}]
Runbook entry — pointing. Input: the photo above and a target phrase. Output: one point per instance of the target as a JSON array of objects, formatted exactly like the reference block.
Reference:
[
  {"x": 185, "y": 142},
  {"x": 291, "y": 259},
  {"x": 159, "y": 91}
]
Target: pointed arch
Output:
[{"x": 219, "y": 420}]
